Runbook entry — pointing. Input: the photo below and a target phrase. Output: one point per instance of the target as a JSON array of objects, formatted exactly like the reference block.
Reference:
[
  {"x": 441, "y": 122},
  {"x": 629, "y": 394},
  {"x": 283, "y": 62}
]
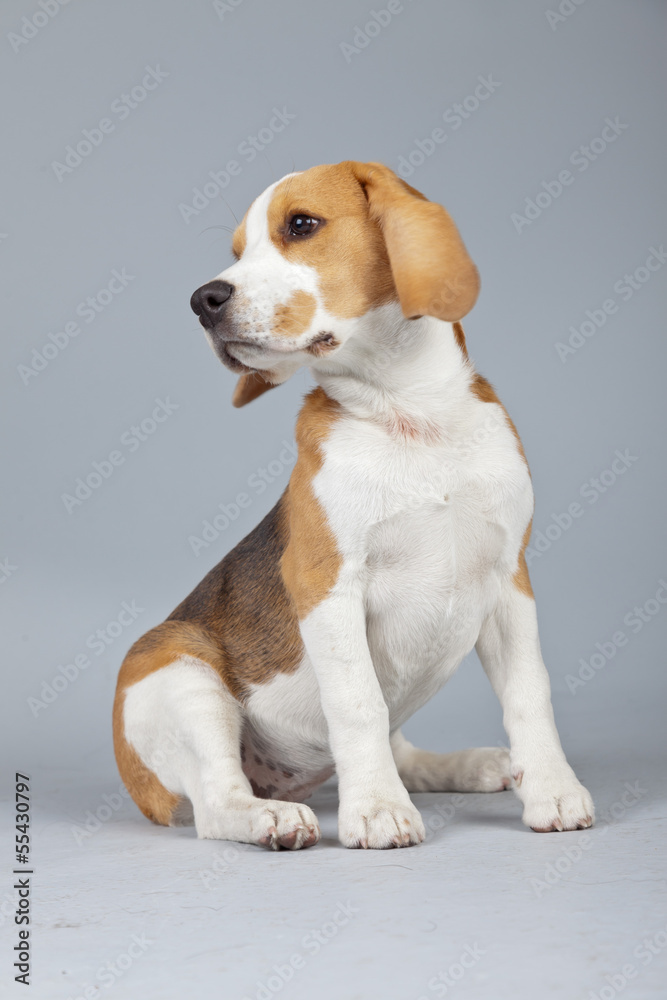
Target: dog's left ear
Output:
[
  {"x": 249, "y": 387},
  {"x": 432, "y": 271}
]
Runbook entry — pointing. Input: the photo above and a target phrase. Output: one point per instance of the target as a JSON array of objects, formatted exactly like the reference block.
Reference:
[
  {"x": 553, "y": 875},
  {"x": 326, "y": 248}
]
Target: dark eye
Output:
[{"x": 303, "y": 225}]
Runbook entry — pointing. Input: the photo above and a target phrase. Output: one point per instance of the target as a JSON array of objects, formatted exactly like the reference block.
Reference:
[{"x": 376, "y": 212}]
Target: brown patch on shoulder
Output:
[
  {"x": 348, "y": 251},
  {"x": 311, "y": 561},
  {"x": 483, "y": 389},
  {"x": 293, "y": 317},
  {"x": 460, "y": 338},
  {"x": 242, "y": 619}
]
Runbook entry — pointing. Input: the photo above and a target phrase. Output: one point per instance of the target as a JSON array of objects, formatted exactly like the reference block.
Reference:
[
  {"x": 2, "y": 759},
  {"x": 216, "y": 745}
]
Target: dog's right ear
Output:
[
  {"x": 432, "y": 270},
  {"x": 249, "y": 387}
]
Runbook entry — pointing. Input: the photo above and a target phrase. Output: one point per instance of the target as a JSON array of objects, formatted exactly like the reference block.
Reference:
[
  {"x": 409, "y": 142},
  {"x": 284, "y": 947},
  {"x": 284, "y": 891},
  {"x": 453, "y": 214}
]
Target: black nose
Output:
[{"x": 208, "y": 302}]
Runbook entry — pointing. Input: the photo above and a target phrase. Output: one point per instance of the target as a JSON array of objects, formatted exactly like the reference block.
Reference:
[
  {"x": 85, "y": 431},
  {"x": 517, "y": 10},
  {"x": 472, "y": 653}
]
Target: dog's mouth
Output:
[{"x": 239, "y": 356}]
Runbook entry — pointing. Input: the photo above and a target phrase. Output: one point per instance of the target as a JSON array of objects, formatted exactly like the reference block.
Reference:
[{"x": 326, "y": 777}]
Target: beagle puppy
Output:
[{"x": 397, "y": 547}]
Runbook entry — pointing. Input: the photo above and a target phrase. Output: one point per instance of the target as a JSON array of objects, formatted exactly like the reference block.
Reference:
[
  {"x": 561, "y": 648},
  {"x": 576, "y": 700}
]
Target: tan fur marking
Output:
[
  {"x": 347, "y": 251},
  {"x": 380, "y": 240},
  {"x": 240, "y": 620},
  {"x": 521, "y": 579},
  {"x": 483, "y": 389},
  {"x": 244, "y": 610},
  {"x": 155, "y": 649},
  {"x": 143, "y": 785},
  {"x": 460, "y": 338},
  {"x": 432, "y": 270},
  {"x": 292, "y": 318},
  {"x": 239, "y": 238},
  {"x": 311, "y": 561}
]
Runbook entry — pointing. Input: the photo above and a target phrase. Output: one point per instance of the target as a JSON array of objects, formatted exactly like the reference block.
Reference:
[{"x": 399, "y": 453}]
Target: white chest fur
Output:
[
  {"x": 427, "y": 532},
  {"x": 432, "y": 529}
]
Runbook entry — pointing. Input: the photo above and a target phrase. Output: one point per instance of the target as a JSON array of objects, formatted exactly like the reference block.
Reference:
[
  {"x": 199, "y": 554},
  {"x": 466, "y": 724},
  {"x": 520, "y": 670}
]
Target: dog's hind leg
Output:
[
  {"x": 177, "y": 736},
  {"x": 483, "y": 769}
]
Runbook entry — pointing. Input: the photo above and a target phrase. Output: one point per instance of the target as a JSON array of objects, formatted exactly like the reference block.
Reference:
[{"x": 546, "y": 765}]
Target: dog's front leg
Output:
[
  {"x": 509, "y": 648},
  {"x": 375, "y": 808}
]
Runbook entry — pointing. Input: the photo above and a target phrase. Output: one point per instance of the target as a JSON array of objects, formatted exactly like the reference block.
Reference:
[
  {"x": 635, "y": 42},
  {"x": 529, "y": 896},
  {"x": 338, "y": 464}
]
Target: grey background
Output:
[
  {"x": 60, "y": 241},
  {"x": 120, "y": 209}
]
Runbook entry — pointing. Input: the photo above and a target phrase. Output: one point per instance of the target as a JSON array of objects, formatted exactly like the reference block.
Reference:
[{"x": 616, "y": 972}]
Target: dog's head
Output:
[{"x": 315, "y": 254}]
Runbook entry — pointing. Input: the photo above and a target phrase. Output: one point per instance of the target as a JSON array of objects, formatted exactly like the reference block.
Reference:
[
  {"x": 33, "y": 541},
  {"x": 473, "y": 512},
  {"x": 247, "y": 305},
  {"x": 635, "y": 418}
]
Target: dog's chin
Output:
[
  {"x": 226, "y": 351},
  {"x": 230, "y": 362}
]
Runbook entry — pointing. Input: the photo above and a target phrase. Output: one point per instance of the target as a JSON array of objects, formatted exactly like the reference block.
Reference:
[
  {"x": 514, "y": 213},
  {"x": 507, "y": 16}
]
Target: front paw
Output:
[
  {"x": 554, "y": 802},
  {"x": 379, "y": 823}
]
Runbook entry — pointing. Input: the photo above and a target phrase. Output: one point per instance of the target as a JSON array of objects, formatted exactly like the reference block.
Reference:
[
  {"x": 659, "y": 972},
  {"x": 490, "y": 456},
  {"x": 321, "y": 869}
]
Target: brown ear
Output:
[
  {"x": 249, "y": 387},
  {"x": 433, "y": 274}
]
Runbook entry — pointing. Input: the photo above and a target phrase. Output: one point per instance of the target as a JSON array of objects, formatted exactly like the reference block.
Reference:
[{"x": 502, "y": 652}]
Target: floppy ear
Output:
[
  {"x": 433, "y": 274},
  {"x": 249, "y": 387}
]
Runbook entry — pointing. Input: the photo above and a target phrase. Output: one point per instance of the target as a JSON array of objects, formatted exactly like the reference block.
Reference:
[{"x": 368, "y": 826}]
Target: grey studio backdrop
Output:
[{"x": 135, "y": 133}]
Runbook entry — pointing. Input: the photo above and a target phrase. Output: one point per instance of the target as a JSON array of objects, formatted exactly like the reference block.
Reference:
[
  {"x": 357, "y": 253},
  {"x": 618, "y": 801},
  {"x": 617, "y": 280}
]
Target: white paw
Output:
[
  {"x": 484, "y": 769},
  {"x": 266, "y": 822},
  {"x": 557, "y": 802},
  {"x": 380, "y": 823}
]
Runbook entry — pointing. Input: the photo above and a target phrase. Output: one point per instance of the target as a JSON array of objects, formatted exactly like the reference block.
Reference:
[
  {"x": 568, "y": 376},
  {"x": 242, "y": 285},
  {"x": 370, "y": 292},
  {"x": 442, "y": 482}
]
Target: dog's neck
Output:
[{"x": 408, "y": 375}]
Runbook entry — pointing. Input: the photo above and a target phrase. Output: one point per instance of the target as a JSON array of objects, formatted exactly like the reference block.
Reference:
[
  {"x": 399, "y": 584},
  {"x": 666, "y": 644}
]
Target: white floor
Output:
[{"x": 485, "y": 909}]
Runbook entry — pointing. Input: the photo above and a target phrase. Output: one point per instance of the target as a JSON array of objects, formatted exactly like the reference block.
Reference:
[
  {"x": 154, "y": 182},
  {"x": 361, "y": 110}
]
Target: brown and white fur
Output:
[{"x": 397, "y": 547}]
